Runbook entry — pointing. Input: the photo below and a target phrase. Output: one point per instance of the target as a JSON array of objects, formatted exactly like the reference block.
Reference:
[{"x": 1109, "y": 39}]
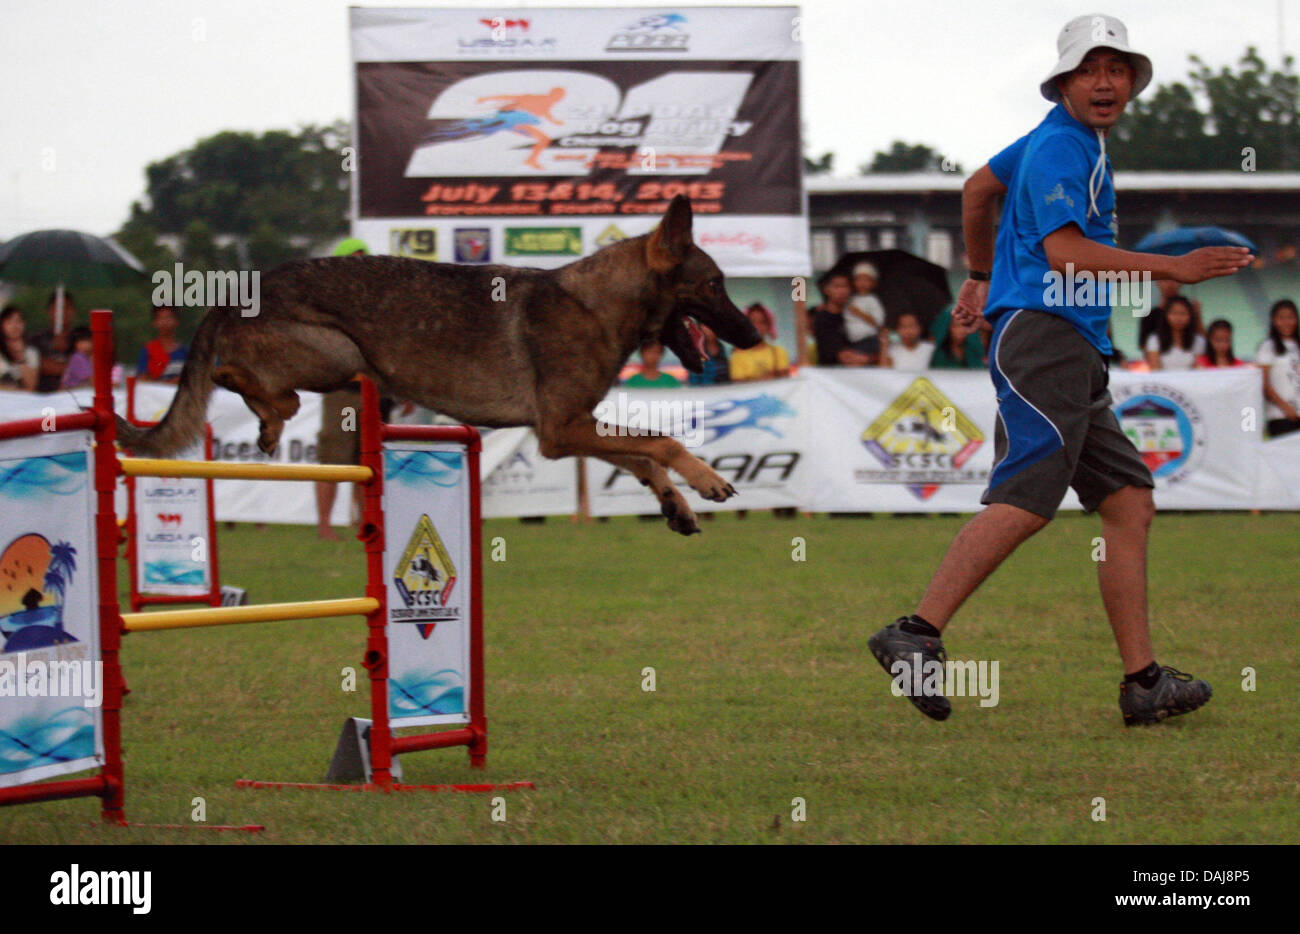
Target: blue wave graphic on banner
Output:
[
  {"x": 28, "y": 743},
  {"x": 421, "y": 694},
  {"x": 60, "y": 474},
  {"x": 421, "y": 468},
  {"x": 723, "y": 417},
  {"x": 171, "y": 572}
]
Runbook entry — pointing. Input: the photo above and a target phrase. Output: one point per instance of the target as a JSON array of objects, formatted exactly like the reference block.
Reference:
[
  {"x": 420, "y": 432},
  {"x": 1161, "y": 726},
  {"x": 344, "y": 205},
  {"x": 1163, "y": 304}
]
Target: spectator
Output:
[
  {"x": 650, "y": 376},
  {"x": 1279, "y": 356},
  {"x": 339, "y": 439},
  {"x": 828, "y": 324},
  {"x": 1175, "y": 345},
  {"x": 1150, "y": 324},
  {"x": 55, "y": 343},
  {"x": 80, "y": 368},
  {"x": 163, "y": 358},
  {"x": 715, "y": 371},
  {"x": 913, "y": 350},
  {"x": 1218, "y": 352},
  {"x": 957, "y": 346},
  {"x": 864, "y": 319},
  {"x": 767, "y": 360},
  {"x": 20, "y": 362}
]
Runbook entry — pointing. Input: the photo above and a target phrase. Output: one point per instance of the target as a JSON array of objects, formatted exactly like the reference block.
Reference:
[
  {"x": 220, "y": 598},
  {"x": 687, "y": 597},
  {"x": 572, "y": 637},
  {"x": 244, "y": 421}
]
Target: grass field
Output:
[{"x": 765, "y": 693}]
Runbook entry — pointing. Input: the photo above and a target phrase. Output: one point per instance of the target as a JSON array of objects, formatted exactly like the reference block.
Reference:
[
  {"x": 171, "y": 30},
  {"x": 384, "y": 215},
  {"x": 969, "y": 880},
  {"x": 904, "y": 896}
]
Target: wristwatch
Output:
[{"x": 979, "y": 276}]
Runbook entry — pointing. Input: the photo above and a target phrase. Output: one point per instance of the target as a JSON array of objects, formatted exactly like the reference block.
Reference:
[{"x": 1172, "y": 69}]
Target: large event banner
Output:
[
  {"x": 531, "y": 137},
  {"x": 755, "y": 435},
  {"x": 427, "y": 563},
  {"x": 51, "y": 675}
]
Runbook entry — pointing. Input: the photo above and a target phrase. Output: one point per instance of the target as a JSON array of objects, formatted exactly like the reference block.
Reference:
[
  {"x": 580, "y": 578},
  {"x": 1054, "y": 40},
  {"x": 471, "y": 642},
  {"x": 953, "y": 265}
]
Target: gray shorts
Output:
[{"x": 1055, "y": 427}]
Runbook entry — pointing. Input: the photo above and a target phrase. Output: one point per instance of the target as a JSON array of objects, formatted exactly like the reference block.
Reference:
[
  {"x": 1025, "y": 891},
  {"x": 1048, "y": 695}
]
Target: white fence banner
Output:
[
  {"x": 51, "y": 676},
  {"x": 753, "y": 434},
  {"x": 173, "y": 554},
  {"x": 427, "y": 562},
  {"x": 827, "y": 440}
]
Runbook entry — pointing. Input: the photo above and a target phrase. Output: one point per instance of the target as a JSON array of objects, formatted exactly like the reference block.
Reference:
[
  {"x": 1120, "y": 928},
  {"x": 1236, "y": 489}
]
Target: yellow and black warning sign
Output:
[{"x": 425, "y": 576}]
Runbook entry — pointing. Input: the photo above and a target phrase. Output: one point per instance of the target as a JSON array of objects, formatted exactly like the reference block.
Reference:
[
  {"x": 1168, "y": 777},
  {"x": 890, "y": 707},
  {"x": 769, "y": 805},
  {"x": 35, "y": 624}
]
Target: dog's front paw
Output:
[
  {"x": 705, "y": 481},
  {"x": 718, "y": 492}
]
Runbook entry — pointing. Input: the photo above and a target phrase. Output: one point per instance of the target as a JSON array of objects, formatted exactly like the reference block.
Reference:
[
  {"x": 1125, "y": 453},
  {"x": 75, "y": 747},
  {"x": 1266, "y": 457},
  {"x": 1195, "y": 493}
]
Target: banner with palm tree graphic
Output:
[{"x": 50, "y": 676}]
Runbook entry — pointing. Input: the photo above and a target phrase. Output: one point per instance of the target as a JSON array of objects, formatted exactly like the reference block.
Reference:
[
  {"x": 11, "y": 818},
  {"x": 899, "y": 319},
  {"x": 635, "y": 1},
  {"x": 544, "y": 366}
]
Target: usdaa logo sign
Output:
[
  {"x": 425, "y": 576},
  {"x": 1165, "y": 426},
  {"x": 922, "y": 440}
]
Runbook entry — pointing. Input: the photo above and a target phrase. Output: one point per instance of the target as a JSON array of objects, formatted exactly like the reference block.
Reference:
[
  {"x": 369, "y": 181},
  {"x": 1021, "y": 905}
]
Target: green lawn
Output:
[{"x": 765, "y": 693}]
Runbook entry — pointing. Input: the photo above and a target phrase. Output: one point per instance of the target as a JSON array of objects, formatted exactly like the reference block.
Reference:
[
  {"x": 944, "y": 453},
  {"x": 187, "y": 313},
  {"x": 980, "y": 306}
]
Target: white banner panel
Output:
[
  {"x": 173, "y": 556},
  {"x": 753, "y": 434},
  {"x": 427, "y": 560},
  {"x": 518, "y": 481},
  {"x": 889, "y": 441},
  {"x": 51, "y": 677},
  {"x": 575, "y": 33},
  {"x": 1198, "y": 431},
  {"x": 1278, "y": 485}
]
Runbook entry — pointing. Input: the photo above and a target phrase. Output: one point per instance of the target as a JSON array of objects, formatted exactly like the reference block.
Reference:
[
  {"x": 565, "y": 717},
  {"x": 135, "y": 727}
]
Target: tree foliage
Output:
[
  {"x": 1218, "y": 120},
  {"x": 909, "y": 157},
  {"x": 236, "y": 183}
]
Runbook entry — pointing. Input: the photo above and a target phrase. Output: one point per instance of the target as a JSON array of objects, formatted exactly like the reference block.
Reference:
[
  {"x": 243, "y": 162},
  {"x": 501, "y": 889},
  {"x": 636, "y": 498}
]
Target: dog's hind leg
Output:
[
  {"x": 671, "y": 501},
  {"x": 270, "y": 408}
]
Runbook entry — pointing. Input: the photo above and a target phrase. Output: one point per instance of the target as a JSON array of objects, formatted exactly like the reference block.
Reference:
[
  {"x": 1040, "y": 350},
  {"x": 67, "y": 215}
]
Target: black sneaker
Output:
[
  {"x": 1175, "y": 693},
  {"x": 892, "y": 645}
]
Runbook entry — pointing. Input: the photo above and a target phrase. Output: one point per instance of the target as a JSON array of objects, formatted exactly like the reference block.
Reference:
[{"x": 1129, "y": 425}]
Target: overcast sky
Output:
[{"x": 93, "y": 91}]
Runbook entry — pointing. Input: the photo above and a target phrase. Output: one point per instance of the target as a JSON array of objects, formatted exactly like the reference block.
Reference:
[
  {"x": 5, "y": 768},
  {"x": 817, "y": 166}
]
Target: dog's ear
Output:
[{"x": 671, "y": 240}]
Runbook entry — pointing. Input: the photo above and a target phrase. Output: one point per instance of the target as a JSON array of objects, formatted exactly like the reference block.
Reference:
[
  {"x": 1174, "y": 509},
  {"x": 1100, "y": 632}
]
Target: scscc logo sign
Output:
[{"x": 662, "y": 32}]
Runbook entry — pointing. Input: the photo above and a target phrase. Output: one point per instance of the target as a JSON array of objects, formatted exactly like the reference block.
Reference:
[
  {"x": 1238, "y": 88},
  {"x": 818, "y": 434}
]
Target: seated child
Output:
[{"x": 78, "y": 371}]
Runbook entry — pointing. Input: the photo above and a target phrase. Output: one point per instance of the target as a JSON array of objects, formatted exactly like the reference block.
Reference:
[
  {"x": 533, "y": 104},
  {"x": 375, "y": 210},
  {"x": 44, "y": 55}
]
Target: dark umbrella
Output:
[
  {"x": 67, "y": 258},
  {"x": 907, "y": 283},
  {"x": 1182, "y": 240}
]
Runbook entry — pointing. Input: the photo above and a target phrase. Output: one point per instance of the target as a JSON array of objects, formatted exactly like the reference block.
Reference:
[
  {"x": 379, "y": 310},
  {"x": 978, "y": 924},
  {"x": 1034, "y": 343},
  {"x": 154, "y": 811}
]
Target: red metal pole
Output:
[
  {"x": 373, "y": 534},
  {"x": 477, "y": 712},
  {"x": 106, "y": 545}
]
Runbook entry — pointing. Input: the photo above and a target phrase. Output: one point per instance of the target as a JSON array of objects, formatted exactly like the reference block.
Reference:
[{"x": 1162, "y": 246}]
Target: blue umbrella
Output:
[{"x": 1182, "y": 240}]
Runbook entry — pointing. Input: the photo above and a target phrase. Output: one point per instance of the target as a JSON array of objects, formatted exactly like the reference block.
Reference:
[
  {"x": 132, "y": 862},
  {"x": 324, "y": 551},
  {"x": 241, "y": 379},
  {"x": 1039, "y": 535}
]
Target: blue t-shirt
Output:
[{"x": 1046, "y": 173}]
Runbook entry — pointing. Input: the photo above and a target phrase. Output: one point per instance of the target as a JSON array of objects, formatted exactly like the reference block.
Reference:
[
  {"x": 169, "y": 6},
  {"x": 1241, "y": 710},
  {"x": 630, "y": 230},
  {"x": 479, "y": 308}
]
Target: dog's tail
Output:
[{"x": 183, "y": 423}]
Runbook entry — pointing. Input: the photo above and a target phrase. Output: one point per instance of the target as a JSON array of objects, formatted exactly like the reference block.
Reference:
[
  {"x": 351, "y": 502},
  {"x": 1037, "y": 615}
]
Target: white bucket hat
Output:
[{"x": 1094, "y": 31}]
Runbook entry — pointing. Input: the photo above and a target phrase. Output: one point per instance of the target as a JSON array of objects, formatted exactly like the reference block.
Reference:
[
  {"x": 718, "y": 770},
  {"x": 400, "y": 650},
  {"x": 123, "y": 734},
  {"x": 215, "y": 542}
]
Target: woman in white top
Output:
[
  {"x": 1176, "y": 344},
  {"x": 20, "y": 362},
  {"x": 913, "y": 350},
  {"x": 1279, "y": 357}
]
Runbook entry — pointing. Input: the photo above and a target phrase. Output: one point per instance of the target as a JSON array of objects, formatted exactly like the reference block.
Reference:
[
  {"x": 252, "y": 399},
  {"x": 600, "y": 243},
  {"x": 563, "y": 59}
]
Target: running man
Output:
[
  {"x": 1055, "y": 427},
  {"x": 516, "y": 113}
]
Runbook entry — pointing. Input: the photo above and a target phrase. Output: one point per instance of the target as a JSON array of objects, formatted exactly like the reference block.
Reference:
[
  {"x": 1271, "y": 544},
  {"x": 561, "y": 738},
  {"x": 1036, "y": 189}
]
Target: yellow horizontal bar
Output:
[
  {"x": 226, "y": 470},
  {"x": 263, "y": 613}
]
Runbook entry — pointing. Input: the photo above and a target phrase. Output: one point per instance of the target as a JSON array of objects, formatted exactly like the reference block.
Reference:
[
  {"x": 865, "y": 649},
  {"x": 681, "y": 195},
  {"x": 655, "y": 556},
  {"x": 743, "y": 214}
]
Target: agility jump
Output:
[{"x": 433, "y": 590}]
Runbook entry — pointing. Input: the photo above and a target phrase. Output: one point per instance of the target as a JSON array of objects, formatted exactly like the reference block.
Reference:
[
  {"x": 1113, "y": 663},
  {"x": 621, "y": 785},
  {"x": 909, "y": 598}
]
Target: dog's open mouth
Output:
[{"x": 683, "y": 337}]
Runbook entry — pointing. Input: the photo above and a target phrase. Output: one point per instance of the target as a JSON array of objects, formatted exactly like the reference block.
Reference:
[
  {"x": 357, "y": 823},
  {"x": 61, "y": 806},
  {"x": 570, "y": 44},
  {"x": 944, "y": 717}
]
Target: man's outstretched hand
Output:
[
  {"x": 1209, "y": 262},
  {"x": 970, "y": 302}
]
